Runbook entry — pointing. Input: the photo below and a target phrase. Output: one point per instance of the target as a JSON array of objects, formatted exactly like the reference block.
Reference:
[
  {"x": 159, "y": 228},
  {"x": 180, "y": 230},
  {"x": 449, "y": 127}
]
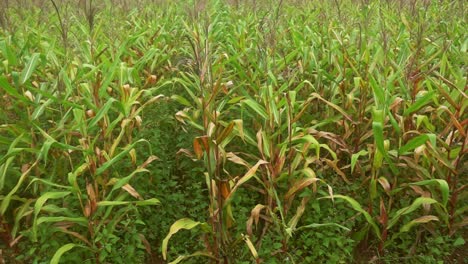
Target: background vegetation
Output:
[{"x": 233, "y": 131}]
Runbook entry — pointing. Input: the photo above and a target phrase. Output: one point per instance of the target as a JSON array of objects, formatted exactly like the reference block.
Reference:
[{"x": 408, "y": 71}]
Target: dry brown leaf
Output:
[
  {"x": 145, "y": 243},
  {"x": 299, "y": 185},
  {"x": 254, "y": 217},
  {"x": 385, "y": 184},
  {"x": 334, "y": 166},
  {"x": 127, "y": 187},
  {"x": 148, "y": 161}
]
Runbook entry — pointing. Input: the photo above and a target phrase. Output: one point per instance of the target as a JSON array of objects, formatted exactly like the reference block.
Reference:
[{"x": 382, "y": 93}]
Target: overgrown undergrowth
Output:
[{"x": 233, "y": 131}]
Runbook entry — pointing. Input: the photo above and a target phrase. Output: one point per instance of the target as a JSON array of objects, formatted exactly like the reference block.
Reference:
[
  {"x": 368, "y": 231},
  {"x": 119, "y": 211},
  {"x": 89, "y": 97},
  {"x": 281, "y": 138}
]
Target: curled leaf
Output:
[
  {"x": 420, "y": 220},
  {"x": 254, "y": 217},
  {"x": 184, "y": 223}
]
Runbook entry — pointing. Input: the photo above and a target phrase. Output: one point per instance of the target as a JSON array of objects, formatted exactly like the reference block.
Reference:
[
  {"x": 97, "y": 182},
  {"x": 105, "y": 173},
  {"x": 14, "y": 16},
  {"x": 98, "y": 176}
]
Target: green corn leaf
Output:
[
  {"x": 9, "y": 53},
  {"x": 5, "y": 85},
  {"x": 152, "y": 201},
  {"x": 443, "y": 185},
  {"x": 332, "y": 153},
  {"x": 54, "y": 219},
  {"x": 357, "y": 207},
  {"x": 406, "y": 210},
  {"x": 40, "y": 203},
  {"x": 40, "y": 110},
  {"x": 184, "y": 223},
  {"x": 309, "y": 139},
  {"x": 29, "y": 69},
  {"x": 196, "y": 254},
  {"x": 48, "y": 144},
  {"x": 355, "y": 157},
  {"x": 379, "y": 141},
  {"x": 323, "y": 225},
  {"x": 257, "y": 108},
  {"x": 125, "y": 180},
  {"x": 422, "y": 119},
  {"x": 47, "y": 182},
  {"x": 274, "y": 110},
  {"x": 395, "y": 124},
  {"x": 181, "y": 100},
  {"x": 58, "y": 254},
  {"x": 377, "y": 128},
  {"x": 417, "y": 221},
  {"x": 46, "y": 196},
  {"x": 72, "y": 176},
  {"x": 3, "y": 171},
  {"x": 102, "y": 112},
  {"x": 428, "y": 97},
  {"x": 117, "y": 157},
  {"x": 379, "y": 93},
  {"x": 111, "y": 70},
  {"x": 44, "y": 153},
  {"x": 6, "y": 200},
  {"x": 21, "y": 212},
  {"x": 418, "y": 141}
]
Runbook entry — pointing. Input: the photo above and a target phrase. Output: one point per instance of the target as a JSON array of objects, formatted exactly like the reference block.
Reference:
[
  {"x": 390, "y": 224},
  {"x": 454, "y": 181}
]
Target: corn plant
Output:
[
  {"x": 74, "y": 183},
  {"x": 208, "y": 93}
]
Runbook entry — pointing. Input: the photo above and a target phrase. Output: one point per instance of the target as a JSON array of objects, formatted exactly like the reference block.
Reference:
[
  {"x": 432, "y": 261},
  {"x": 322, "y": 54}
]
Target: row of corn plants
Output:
[{"x": 69, "y": 143}]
